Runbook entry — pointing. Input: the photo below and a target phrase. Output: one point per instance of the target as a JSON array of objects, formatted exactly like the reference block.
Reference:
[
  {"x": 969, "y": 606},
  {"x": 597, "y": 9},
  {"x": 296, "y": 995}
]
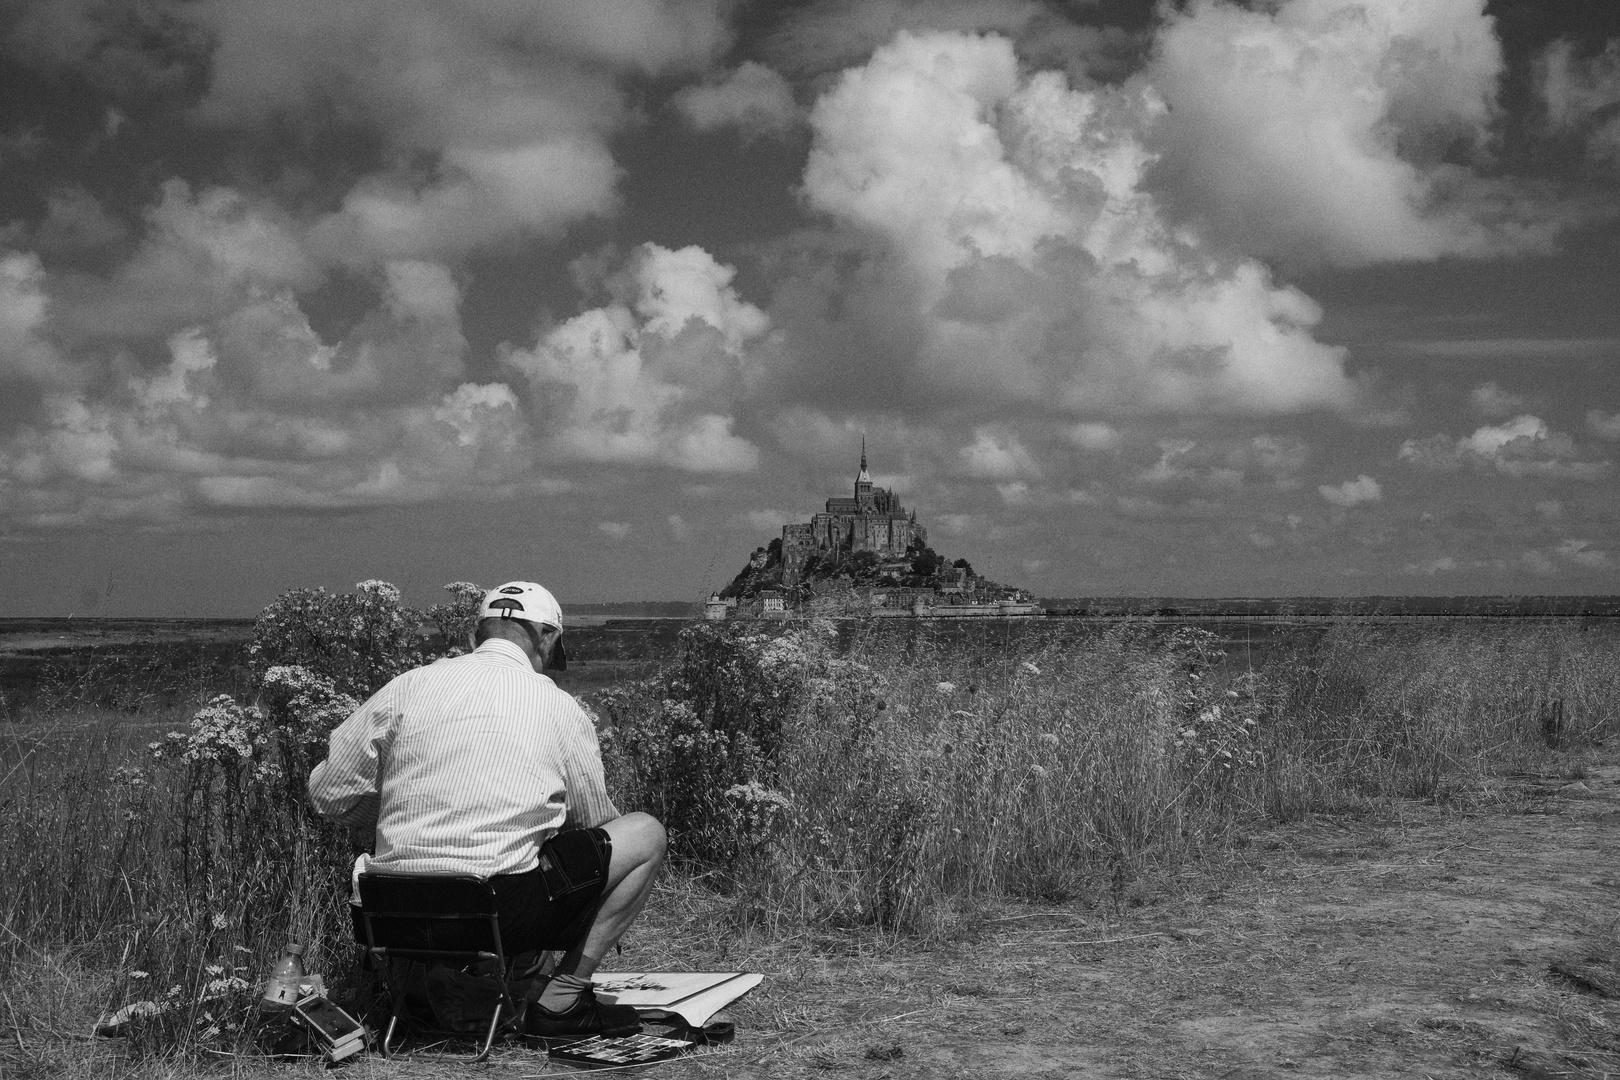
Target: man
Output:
[{"x": 479, "y": 764}]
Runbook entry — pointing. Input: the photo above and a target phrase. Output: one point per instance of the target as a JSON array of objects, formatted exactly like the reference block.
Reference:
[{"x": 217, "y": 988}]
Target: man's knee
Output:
[{"x": 639, "y": 837}]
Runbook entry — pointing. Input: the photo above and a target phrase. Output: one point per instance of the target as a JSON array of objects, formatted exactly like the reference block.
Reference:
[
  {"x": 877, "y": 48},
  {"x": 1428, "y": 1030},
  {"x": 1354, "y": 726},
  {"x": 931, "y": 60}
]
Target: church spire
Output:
[{"x": 863, "y": 453}]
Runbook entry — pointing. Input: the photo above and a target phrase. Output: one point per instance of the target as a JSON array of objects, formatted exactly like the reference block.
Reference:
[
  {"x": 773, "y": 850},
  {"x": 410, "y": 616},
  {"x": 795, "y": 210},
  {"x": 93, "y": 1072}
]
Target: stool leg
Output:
[
  {"x": 489, "y": 1039},
  {"x": 396, "y": 983},
  {"x": 388, "y": 1036}
]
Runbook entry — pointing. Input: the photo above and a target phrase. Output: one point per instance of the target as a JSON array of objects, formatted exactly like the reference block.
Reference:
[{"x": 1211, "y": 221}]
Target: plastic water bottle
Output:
[{"x": 281, "y": 992}]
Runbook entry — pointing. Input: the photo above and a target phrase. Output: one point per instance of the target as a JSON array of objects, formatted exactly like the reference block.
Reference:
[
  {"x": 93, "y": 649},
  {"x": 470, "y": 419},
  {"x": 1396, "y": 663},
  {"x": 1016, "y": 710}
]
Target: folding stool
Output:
[{"x": 431, "y": 919}]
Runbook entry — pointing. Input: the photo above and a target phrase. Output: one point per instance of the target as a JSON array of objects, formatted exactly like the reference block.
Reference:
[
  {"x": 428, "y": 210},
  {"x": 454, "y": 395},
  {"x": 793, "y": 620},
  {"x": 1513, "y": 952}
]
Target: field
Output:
[{"x": 1128, "y": 848}]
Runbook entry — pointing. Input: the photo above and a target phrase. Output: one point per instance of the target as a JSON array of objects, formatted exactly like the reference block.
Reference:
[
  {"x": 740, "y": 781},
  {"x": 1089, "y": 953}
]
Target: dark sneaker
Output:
[{"x": 584, "y": 1018}]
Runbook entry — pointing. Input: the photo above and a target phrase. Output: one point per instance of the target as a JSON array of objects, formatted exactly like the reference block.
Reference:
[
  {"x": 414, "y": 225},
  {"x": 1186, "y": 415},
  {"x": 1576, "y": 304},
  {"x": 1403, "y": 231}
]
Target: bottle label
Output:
[{"x": 285, "y": 994}]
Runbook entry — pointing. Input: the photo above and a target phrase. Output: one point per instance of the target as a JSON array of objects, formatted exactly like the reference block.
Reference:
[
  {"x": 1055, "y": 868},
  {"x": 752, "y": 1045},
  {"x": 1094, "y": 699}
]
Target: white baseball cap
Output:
[{"x": 529, "y": 602}]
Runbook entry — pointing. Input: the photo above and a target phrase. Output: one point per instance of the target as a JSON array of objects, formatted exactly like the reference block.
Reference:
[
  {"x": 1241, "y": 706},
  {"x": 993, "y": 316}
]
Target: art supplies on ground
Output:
[
  {"x": 339, "y": 1035},
  {"x": 691, "y": 996},
  {"x": 600, "y": 1050}
]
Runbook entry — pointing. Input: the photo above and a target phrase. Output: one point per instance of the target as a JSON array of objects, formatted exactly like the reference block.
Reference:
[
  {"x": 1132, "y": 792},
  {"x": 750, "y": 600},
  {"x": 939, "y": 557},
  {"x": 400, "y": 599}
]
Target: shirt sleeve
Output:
[
  {"x": 345, "y": 788},
  {"x": 588, "y": 803}
]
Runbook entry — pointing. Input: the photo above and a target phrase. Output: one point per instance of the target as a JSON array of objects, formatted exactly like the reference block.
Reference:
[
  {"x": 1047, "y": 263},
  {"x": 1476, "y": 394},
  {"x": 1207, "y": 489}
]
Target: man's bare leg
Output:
[{"x": 638, "y": 853}]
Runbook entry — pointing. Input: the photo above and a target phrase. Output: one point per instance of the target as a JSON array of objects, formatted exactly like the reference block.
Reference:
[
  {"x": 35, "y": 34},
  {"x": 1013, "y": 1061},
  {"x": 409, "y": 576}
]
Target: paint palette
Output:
[{"x": 625, "y": 1050}]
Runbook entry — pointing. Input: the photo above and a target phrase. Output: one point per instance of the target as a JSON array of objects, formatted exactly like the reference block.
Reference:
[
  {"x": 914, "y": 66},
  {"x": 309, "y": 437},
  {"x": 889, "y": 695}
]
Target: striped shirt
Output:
[{"x": 466, "y": 766}]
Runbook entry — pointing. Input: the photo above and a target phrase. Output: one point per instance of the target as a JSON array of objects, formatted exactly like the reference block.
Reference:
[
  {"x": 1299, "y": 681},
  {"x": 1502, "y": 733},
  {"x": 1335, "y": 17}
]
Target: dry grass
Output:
[
  {"x": 890, "y": 814},
  {"x": 1413, "y": 939}
]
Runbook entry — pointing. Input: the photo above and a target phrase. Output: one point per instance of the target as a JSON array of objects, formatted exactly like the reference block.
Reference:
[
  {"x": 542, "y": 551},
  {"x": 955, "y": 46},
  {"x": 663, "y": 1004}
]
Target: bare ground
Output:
[{"x": 1477, "y": 939}]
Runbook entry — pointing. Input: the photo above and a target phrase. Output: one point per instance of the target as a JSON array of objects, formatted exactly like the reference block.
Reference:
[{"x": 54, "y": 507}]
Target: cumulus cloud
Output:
[
  {"x": 1603, "y": 425},
  {"x": 204, "y": 254},
  {"x": 20, "y": 144},
  {"x": 1184, "y": 461},
  {"x": 75, "y": 223},
  {"x": 1363, "y": 489},
  {"x": 645, "y": 379},
  {"x": 250, "y": 408},
  {"x": 753, "y": 98},
  {"x": 1034, "y": 263},
  {"x": 1044, "y": 258},
  {"x": 512, "y": 105},
  {"x": 1095, "y": 436},
  {"x": 1489, "y": 399},
  {"x": 1226, "y": 462},
  {"x": 614, "y": 530},
  {"x": 1444, "y": 564},
  {"x": 255, "y": 412},
  {"x": 131, "y": 49},
  {"x": 1523, "y": 446},
  {"x": 25, "y": 354},
  {"x": 1568, "y": 554},
  {"x": 185, "y": 365},
  {"x": 1278, "y": 457},
  {"x": 1313, "y": 130},
  {"x": 1581, "y": 95},
  {"x": 997, "y": 455}
]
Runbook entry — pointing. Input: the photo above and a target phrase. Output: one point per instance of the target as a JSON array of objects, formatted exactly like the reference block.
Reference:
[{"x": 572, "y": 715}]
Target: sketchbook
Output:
[{"x": 693, "y": 996}]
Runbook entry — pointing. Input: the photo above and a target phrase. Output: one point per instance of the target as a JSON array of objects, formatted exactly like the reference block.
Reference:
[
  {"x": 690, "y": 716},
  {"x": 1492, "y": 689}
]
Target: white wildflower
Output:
[{"x": 382, "y": 589}]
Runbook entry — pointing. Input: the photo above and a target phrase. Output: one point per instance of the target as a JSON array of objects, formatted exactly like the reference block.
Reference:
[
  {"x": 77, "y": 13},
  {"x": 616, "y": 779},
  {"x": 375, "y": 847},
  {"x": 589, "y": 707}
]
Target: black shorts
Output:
[{"x": 553, "y": 905}]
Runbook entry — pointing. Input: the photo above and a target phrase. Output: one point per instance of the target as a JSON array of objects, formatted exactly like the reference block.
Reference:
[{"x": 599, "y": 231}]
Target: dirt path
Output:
[
  {"x": 1420, "y": 943},
  {"x": 1414, "y": 945}
]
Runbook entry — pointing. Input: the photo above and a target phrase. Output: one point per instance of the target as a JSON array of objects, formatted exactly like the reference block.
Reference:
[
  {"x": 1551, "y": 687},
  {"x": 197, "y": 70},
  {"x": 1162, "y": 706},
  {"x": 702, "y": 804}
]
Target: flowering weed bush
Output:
[
  {"x": 250, "y": 864},
  {"x": 712, "y": 720},
  {"x": 300, "y": 709},
  {"x": 358, "y": 640},
  {"x": 456, "y": 618}
]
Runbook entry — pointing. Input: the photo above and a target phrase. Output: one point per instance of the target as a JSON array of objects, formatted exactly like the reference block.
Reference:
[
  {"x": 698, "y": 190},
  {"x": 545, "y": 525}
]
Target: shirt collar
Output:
[{"x": 505, "y": 650}]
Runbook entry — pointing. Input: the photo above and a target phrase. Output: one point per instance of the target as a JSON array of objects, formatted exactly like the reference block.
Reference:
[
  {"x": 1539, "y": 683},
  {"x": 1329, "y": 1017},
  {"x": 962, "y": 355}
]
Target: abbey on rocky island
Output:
[
  {"x": 862, "y": 556},
  {"x": 873, "y": 520}
]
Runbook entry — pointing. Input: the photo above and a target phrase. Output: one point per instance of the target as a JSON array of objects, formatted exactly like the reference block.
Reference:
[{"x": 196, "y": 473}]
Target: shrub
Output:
[
  {"x": 358, "y": 640},
  {"x": 456, "y": 619},
  {"x": 713, "y": 718}
]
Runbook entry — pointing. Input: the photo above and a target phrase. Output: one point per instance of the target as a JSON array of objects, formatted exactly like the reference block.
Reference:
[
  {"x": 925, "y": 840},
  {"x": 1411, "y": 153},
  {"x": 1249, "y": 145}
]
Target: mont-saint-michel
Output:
[{"x": 864, "y": 554}]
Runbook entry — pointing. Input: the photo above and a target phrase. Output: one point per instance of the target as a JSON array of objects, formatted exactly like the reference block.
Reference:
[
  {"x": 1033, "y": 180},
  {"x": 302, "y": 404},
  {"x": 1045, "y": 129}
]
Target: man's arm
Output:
[
  {"x": 345, "y": 787},
  {"x": 588, "y": 803}
]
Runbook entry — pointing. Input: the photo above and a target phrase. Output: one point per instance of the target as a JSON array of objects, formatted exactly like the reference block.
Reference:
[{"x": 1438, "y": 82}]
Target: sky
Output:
[{"x": 1188, "y": 298}]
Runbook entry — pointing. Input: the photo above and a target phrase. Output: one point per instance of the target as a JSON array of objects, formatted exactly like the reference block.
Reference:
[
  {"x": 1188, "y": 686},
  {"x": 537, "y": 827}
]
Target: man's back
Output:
[{"x": 478, "y": 761}]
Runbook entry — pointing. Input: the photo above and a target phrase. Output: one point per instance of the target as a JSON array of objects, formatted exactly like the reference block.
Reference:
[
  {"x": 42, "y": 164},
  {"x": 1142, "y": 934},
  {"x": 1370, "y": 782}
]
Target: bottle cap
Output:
[{"x": 296, "y": 948}]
